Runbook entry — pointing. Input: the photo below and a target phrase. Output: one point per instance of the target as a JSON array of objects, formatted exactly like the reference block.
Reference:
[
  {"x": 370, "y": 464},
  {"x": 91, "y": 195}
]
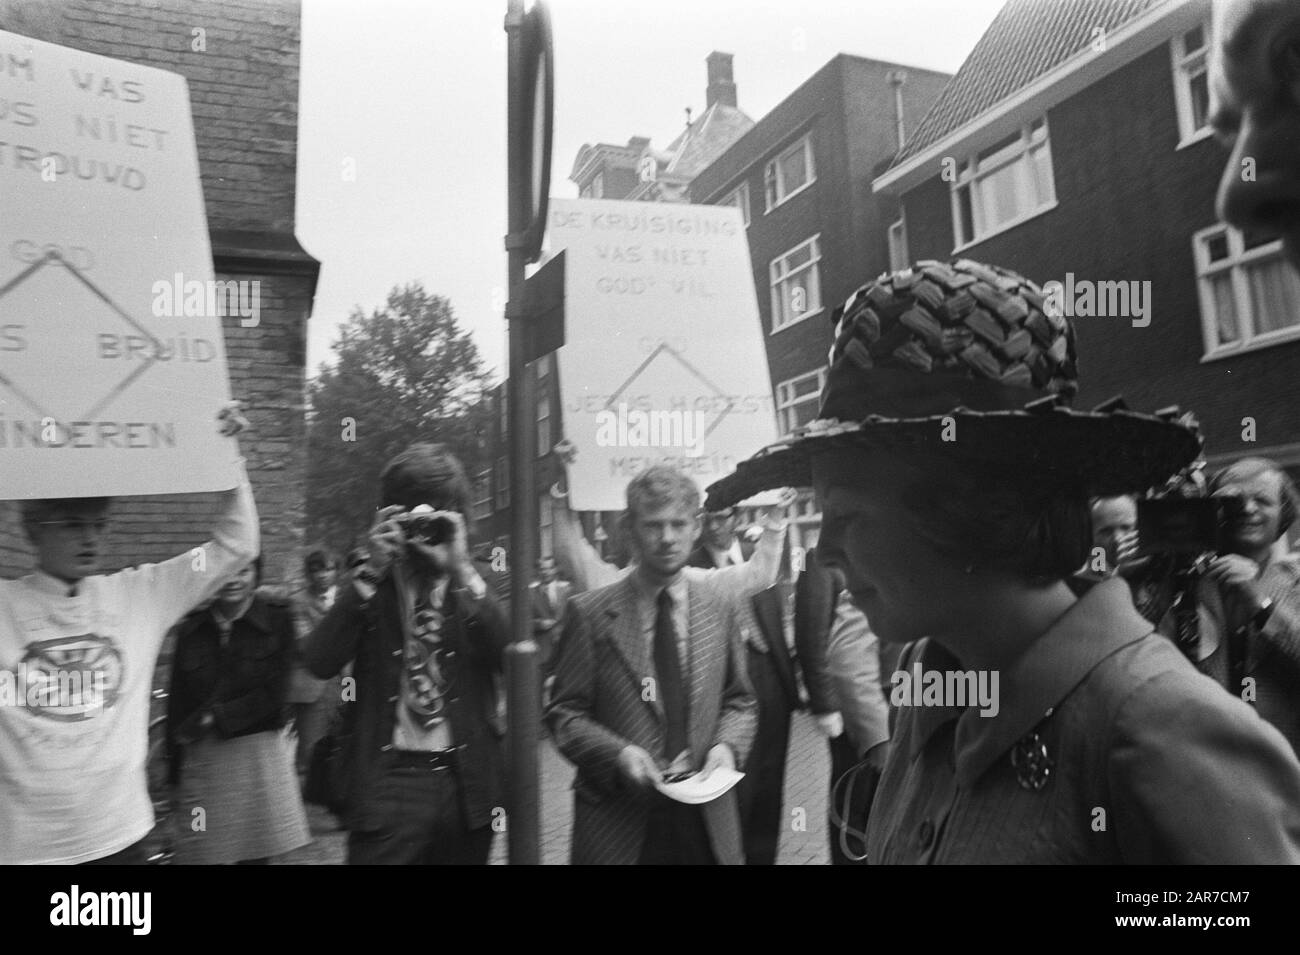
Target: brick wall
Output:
[
  {"x": 244, "y": 98},
  {"x": 1128, "y": 203}
]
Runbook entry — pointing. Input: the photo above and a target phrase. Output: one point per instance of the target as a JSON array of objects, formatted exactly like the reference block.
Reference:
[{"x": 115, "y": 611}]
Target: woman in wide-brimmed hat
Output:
[{"x": 1034, "y": 726}]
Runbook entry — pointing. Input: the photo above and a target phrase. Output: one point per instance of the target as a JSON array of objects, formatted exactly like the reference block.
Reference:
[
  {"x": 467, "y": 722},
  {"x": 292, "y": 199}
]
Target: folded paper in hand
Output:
[{"x": 698, "y": 788}]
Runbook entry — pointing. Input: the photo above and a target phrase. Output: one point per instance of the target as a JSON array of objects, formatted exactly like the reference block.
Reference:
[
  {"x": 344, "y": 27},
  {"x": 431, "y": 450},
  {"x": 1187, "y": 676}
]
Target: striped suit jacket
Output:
[{"x": 598, "y": 707}]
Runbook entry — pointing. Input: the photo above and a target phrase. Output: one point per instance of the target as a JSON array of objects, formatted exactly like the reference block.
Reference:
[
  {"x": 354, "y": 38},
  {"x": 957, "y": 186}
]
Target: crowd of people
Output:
[{"x": 1138, "y": 620}]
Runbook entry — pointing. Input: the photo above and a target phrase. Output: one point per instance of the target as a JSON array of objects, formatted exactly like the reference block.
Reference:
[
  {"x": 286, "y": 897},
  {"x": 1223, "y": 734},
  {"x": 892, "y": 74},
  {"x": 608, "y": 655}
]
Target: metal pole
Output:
[{"x": 523, "y": 696}]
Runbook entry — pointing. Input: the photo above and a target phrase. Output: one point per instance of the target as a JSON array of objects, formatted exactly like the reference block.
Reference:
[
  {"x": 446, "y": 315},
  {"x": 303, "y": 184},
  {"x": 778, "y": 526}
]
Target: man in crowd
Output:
[
  {"x": 1255, "y": 109},
  {"x": 717, "y": 546},
  {"x": 314, "y": 701},
  {"x": 1252, "y": 595},
  {"x": 550, "y": 596},
  {"x": 650, "y": 680},
  {"x": 1114, "y": 528},
  {"x": 840, "y": 660},
  {"x": 80, "y": 647},
  {"x": 423, "y": 761},
  {"x": 771, "y": 673}
]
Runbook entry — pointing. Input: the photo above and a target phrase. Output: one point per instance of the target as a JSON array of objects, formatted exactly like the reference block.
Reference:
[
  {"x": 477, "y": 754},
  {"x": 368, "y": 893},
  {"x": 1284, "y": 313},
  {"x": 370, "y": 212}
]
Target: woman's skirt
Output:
[{"x": 238, "y": 799}]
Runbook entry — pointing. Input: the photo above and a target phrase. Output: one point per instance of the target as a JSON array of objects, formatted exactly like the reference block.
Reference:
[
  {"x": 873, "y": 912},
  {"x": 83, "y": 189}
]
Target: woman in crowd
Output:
[
  {"x": 1034, "y": 725},
  {"x": 237, "y": 795}
]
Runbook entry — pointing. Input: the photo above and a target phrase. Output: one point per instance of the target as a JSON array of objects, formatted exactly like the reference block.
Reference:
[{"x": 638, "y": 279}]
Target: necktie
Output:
[{"x": 668, "y": 669}]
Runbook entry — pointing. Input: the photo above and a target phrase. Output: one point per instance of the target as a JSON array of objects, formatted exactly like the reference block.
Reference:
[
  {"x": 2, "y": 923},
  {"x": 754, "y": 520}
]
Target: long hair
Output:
[
  {"x": 997, "y": 521},
  {"x": 426, "y": 473}
]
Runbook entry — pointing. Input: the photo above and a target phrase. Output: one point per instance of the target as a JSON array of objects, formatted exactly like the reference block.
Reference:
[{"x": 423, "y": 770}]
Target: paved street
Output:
[{"x": 803, "y": 841}]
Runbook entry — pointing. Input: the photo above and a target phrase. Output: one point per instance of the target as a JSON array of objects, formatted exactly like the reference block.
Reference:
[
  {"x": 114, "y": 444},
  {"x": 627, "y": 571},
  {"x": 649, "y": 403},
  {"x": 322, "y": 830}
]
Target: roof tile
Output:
[{"x": 1027, "y": 39}]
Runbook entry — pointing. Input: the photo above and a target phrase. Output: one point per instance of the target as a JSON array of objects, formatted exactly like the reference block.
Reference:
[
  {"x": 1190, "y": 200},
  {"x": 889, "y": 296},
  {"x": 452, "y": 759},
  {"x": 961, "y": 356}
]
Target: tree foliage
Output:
[{"x": 406, "y": 372}]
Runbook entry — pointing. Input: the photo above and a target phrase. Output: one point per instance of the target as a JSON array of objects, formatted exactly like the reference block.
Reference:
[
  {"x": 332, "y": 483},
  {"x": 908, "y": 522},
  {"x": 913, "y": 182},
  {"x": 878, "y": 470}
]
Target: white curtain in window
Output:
[{"x": 1274, "y": 295}]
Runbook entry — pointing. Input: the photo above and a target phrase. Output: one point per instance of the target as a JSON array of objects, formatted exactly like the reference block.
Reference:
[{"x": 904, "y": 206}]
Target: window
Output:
[
  {"x": 546, "y": 525},
  {"x": 1189, "y": 51},
  {"x": 739, "y": 197},
  {"x": 898, "y": 246},
  {"x": 543, "y": 367},
  {"x": 482, "y": 507},
  {"x": 789, "y": 173},
  {"x": 1004, "y": 185},
  {"x": 796, "y": 284},
  {"x": 1250, "y": 297},
  {"x": 798, "y": 398},
  {"x": 503, "y": 405},
  {"x": 502, "y": 478}
]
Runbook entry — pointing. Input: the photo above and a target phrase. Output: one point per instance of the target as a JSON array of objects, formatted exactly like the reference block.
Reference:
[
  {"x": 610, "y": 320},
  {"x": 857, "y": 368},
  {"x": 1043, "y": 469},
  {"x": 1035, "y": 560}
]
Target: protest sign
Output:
[
  {"x": 112, "y": 363},
  {"x": 663, "y": 359}
]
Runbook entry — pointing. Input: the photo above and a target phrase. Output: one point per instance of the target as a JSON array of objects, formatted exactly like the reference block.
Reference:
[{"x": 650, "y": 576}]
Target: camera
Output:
[
  {"x": 426, "y": 527},
  {"x": 1188, "y": 527},
  {"x": 1181, "y": 530}
]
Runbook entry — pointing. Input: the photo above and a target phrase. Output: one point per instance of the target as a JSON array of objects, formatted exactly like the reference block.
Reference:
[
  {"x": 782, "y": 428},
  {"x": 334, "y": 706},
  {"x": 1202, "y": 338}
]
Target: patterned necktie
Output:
[
  {"x": 426, "y": 689},
  {"x": 668, "y": 669}
]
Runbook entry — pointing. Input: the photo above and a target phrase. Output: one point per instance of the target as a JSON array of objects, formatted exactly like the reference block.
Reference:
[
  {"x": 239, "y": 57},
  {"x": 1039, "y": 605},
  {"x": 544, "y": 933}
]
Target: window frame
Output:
[
  {"x": 814, "y": 262},
  {"x": 542, "y": 370},
  {"x": 784, "y": 404},
  {"x": 773, "y": 169},
  {"x": 974, "y": 170},
  {"x": 501, "y": 482},
  {"x": 481, "y": 507},
  {"x": 1186, "y": 67},
  {"x": 897, "y": 228},
  {"x": 730, "y": 198},
  {"x": 1239, "y": 259}
]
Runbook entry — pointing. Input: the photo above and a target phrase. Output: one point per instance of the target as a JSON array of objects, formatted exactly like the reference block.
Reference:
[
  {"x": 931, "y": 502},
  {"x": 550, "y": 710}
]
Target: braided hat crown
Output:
[{"x": 964, "y": 320}]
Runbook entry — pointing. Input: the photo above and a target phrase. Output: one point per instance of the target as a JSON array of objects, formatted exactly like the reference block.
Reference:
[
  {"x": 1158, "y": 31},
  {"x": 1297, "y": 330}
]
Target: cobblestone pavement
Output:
[{"x": 804, "y": 841}]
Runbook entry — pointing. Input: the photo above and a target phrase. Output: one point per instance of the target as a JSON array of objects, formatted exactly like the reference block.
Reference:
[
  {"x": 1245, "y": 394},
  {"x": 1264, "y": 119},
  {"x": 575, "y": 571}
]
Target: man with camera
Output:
[
  {"x": 423, "y": 780},
  {"x": 1251, "y": 594}
]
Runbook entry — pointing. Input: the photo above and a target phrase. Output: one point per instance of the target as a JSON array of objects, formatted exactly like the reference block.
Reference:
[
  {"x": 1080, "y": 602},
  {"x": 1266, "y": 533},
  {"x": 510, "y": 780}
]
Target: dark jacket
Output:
[
  {"x": 815, "y": 593},
  {"x": 244, "y": 684},
  {"x": 768, "y": 615},
  {"x": 370, "y": 633}
]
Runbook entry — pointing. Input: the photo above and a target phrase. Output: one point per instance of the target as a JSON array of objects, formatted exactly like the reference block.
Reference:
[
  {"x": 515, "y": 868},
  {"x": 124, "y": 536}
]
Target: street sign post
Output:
[{"x": 530, "y": 92}]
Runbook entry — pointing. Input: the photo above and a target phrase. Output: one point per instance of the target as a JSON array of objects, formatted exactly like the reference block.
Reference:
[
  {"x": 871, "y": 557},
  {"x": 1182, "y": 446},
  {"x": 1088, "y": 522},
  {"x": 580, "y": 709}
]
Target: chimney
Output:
[{"x": 722, "y": 88}]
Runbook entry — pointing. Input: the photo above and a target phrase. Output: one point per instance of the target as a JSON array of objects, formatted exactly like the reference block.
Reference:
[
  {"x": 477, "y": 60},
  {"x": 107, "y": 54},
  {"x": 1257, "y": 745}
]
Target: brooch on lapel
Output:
[{"x": 1031, "y": 761}]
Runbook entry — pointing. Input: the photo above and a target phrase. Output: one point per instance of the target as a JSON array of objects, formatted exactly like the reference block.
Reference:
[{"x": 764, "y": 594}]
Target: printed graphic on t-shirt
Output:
[
  {"x": 66, "y": 679},
  {"x": 426, "y": 689}
]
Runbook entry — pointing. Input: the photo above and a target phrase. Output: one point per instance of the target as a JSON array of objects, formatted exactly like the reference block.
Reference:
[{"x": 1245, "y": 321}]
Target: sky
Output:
[{"x": 402, "y": 113}]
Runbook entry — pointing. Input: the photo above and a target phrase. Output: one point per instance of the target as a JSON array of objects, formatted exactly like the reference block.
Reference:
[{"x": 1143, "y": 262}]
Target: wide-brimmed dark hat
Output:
[{"x": 964, "y": 359}]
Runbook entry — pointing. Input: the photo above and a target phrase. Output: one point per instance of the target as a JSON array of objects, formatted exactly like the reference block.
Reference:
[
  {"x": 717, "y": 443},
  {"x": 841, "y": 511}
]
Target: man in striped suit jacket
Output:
[{"x": 650, "y": 678}]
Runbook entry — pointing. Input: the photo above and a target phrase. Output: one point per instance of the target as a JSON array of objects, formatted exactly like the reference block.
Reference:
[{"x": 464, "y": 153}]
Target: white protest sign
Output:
[
  {"x": 112, "y": 364},
  {"x": 663, "y": 359}
]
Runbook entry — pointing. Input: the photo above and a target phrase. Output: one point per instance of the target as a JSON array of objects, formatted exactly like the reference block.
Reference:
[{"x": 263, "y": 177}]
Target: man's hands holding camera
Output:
[{"x": 432, "y": 537}]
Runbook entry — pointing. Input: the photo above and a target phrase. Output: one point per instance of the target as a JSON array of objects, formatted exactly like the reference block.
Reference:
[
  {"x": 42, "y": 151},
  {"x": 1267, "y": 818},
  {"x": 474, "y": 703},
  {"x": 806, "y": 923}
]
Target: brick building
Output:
[
  {"x": 1074, "y": 140},
  {"x": 244, "y": 97},
  {"x": 802, "y": 178}
]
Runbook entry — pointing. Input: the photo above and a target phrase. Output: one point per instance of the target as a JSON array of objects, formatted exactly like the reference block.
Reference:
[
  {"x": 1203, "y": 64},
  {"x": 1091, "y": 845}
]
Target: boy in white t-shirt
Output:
[{"x": 77, "y": 654}]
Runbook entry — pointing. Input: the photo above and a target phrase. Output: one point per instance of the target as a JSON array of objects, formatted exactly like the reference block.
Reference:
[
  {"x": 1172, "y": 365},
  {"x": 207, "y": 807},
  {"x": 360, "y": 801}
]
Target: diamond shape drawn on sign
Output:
[
  {"x": 665, "y": 347},
  {"x": 149, "y": 361}
]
